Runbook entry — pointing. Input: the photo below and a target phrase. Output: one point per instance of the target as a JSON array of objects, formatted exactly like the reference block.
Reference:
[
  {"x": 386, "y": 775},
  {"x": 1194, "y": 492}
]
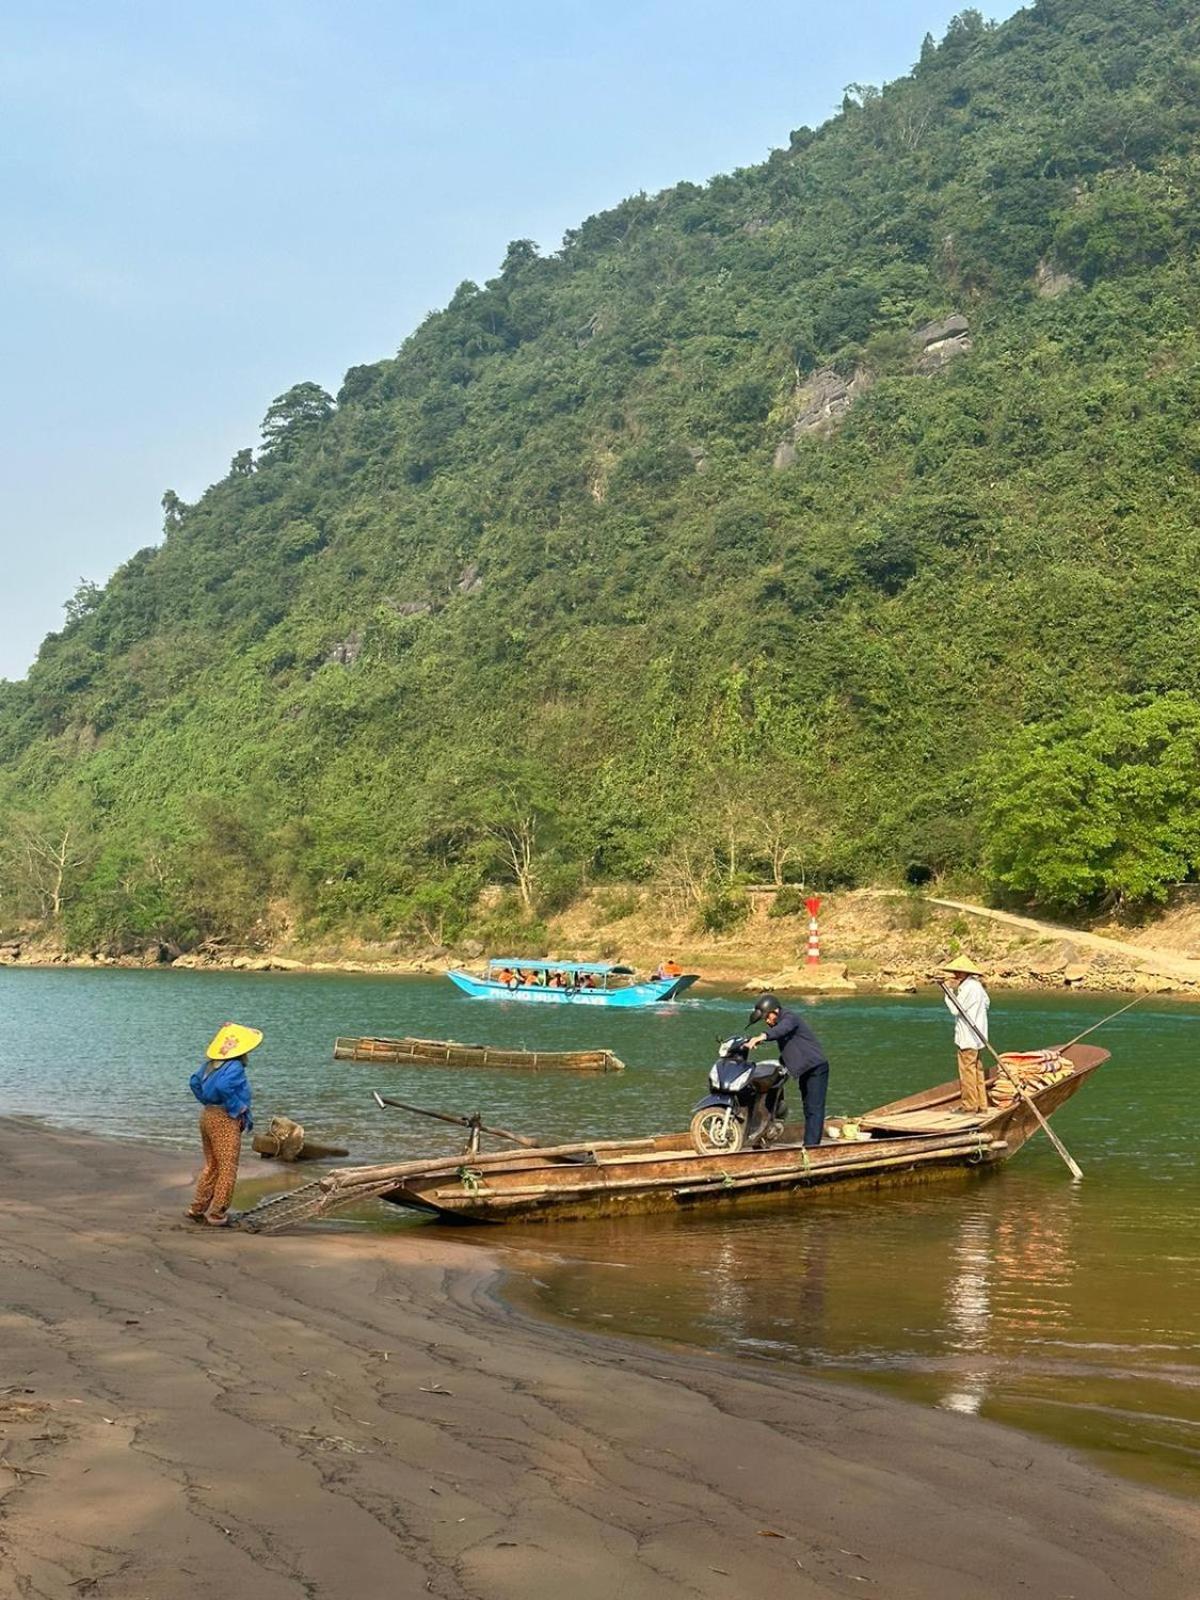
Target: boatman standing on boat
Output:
[
  {"x": 967, "y": 1000},
  {"x": 803, "y": 1056}
]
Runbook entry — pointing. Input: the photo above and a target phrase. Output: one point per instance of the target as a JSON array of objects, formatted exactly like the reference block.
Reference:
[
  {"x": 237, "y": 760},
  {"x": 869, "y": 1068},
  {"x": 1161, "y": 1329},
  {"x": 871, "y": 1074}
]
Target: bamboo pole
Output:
[
  {"x": 349, "y": 1176},
  {"x": 1102, "y": 1021}
]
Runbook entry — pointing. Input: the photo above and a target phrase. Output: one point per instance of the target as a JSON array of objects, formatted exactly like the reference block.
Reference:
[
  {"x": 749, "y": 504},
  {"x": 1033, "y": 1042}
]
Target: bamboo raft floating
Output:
[
  {"x": 449, "y": 1053},
  {"x": 664, "y": 1172}
]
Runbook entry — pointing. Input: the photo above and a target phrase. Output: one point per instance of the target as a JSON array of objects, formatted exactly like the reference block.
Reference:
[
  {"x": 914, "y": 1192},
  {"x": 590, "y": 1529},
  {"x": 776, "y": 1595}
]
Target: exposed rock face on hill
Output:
[
  {"x": 1050, "y": 283},
  {"x": 820, "y": 404},
  {"x": 939, "y": 342},
  {"x": 823, "y": 400}
]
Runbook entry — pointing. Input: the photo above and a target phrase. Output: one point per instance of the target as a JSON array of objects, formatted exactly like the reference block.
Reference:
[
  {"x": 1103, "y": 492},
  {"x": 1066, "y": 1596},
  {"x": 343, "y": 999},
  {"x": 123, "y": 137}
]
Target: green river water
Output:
[{"x": 1069, "y": 1309}]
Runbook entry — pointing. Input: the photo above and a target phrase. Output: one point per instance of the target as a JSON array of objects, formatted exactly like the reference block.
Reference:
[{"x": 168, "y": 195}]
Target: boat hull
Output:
[
  {"x": 666, "y": 1173},
  {"x": 655, "y": 992},
  {"x": 601, "y": 1178},
  {"x": 448, "y": 1201}
]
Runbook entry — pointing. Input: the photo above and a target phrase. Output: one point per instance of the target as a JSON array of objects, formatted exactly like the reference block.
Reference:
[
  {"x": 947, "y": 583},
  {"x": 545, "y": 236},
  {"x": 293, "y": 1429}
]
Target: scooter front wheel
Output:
[{"x": 713, "y": 1135}]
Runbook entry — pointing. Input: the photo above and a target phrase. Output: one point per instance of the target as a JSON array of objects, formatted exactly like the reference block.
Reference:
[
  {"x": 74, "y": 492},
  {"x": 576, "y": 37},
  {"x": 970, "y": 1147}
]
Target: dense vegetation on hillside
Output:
[{"x": 539, "y": 600}]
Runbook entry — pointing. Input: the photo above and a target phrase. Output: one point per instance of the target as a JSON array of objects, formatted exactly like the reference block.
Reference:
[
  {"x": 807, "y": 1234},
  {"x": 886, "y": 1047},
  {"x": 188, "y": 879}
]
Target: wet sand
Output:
[{"x": 344, "y": 1416}]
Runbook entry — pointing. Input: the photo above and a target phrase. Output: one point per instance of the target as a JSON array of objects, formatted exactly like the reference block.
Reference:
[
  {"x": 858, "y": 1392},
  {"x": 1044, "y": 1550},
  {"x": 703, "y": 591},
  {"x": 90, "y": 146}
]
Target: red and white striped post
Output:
[{"x": 813, "y": 905}]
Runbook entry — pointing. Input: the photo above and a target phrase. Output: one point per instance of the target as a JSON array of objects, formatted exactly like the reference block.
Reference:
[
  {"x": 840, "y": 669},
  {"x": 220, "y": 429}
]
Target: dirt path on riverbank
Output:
[
  {"x": 1166, "y": 963},
  {"x": 340, "y": 1416}
]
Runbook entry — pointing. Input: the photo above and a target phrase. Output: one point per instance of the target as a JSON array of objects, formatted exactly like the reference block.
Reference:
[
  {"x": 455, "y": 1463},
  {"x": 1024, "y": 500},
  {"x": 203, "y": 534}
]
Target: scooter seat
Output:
[{"x": 764, "y": 1071}]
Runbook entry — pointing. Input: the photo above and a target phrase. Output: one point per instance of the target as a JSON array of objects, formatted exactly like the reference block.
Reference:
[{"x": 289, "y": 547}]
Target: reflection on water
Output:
[
  {"x": 969, "y": 1311},
  {"x": 1018, "y": 1296},
  {"x": 1071, "y": 1309}
]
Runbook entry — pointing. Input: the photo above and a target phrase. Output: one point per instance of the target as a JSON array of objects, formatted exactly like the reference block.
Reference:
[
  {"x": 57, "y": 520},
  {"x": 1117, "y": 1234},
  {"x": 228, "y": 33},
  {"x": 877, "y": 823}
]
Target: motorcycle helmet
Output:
[{"x": 763, "y": 1006}]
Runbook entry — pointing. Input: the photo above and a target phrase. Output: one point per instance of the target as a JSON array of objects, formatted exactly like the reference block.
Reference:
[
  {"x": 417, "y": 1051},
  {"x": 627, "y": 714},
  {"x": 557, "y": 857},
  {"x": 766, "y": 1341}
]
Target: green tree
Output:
[
  {"x": 294, "y": 417},
  {"x": 1102, "y": 804}
]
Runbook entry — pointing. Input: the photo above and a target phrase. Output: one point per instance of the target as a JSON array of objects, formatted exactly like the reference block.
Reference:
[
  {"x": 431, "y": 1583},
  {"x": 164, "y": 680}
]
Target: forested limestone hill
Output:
[{"x": 694, "y": 550}]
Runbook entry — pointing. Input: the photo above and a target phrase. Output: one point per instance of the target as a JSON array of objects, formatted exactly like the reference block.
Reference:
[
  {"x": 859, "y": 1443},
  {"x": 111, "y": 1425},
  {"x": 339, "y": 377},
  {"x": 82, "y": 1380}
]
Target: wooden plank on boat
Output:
[
  {"x": 935, "y": 1120},
  {"x": 348, "y": 1177},
  {"x": 450, "y": 1053}
]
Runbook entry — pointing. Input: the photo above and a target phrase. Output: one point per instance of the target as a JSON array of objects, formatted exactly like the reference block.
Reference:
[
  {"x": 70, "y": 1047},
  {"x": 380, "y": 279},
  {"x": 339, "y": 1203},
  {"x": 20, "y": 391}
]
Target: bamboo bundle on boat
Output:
[{"x": 1025, "y": 1072}]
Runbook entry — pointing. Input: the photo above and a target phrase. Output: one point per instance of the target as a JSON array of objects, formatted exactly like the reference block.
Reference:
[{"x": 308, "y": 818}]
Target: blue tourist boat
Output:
[{"x": 579, "y": 983}]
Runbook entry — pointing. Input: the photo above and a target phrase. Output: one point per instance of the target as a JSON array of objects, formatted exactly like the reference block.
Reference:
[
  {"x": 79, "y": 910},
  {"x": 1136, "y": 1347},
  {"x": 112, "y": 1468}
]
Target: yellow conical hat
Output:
[
  {"x": 961, "y": 964},
  {"x": 232, "y": 1039}
]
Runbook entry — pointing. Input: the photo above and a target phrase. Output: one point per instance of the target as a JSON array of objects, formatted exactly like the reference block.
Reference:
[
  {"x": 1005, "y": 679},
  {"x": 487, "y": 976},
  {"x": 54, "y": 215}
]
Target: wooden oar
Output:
[
  {"x": 476, "y": 1126},
  {"x": 1075, "y": 1169}
]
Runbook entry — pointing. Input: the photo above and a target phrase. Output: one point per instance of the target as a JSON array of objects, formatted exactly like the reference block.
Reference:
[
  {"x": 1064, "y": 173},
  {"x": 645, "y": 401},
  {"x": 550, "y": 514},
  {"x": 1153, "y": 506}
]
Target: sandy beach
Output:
[{"x": 186, "y": 1413}]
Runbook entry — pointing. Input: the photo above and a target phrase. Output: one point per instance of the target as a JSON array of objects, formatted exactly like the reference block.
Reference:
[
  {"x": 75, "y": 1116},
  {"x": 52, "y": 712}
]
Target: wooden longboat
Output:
[
  {"x": 923, "y": 1137},
  {"x": 449, "y": 1053}
]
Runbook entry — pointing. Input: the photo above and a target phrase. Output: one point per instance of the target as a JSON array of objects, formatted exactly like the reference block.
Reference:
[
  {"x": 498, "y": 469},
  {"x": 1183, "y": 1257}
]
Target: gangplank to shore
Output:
[{"x": 912, "y": 1139}]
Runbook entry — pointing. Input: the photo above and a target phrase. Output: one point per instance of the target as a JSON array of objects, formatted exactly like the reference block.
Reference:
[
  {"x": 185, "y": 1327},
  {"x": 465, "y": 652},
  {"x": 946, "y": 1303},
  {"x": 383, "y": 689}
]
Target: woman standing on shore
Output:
[{"x": 222, "y": 1088}]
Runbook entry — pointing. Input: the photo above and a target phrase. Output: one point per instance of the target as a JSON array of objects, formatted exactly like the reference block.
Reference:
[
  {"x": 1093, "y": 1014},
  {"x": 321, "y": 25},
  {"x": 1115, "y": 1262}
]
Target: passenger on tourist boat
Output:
[
  {"x": 803, "y": 1057},
  {"x": 967, "y": 1001},
  {"x": 669, "y": 968}
]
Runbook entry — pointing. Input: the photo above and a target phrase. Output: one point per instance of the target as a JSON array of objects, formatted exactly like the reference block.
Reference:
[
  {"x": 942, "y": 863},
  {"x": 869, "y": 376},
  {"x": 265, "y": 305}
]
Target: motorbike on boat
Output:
[{"x": 745, "y": 1106}]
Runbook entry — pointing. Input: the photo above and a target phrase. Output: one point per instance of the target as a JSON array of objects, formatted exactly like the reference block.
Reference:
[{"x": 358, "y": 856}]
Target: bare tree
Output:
[
  {"x": 517, "y": 836},
  {"x": 40, "y": 856}
]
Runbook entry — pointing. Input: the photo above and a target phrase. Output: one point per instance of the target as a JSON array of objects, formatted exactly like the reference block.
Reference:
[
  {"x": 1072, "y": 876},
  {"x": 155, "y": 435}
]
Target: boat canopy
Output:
[{"x": 598, "y": 969}]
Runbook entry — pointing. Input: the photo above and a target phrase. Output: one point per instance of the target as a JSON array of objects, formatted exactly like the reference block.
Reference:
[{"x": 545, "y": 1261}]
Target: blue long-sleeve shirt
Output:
[
  {"x": 226, "y": 1085},
  {"x": 799, "y": 1047}
]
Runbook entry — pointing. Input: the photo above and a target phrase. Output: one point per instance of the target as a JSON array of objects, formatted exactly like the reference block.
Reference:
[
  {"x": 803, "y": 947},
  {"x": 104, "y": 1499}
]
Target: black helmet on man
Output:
[{"x": 763, "y": 1007}]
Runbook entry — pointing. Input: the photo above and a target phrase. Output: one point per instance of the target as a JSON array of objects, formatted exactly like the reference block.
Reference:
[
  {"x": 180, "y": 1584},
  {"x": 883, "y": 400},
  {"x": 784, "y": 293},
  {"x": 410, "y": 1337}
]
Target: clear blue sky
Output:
[{"x": 201, "y": 205}]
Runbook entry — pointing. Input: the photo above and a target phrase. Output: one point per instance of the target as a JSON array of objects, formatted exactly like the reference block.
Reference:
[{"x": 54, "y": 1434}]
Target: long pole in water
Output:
[
  {"x": 1102, "y": 1021},
  {"x": 1075, "y": 1169}
]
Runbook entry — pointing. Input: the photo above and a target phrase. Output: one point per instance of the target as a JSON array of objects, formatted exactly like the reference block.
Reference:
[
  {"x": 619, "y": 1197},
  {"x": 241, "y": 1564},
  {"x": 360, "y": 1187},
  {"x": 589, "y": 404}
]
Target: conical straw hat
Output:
[
  {"x": 961, "y": 964},
  {"x": 232, "y": 1039}
]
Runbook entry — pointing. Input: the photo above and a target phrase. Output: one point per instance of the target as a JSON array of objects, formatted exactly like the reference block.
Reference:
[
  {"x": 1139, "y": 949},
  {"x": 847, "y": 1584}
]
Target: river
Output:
[{"x": 1069, "y": 1309}]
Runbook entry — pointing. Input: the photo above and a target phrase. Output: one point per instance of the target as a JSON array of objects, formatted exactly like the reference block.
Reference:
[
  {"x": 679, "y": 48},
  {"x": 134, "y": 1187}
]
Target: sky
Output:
[{"x": 201, "y": 205}]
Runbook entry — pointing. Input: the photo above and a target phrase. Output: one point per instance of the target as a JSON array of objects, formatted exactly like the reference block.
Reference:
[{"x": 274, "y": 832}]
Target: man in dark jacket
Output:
[{"x": 803, "y": 1056}]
